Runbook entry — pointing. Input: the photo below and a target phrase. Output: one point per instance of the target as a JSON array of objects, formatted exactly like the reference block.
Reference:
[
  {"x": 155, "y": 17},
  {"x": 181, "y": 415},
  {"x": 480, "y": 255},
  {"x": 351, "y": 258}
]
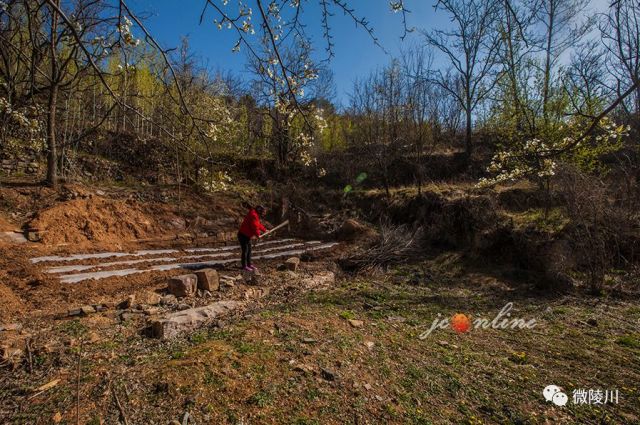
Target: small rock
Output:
[
  {"x": 11, "y": 354},
  {"x": 368, "y": 387},
  {"x": 183, "y": 285},
  {"x": 356, "y": 323},
  {"x": 207, "y": 294},
  {"x": 292, "y": 263},
  {"x": 369, "y": 344},
  {"x": 74, "y": 312},
  {"x": 127, "y": 303},
  {"x": 168, "y": 300},
  {"x": 227, "y": 282},
  {"x": 256, "y": 293},
  {"x": 379, "y": 398},
  {"x": 396, "y": 319},
  {"x": 309, "y": 340},
  {"x": 57, "y": 418},
  {"x": 208, "y": 280},
  {"x": 303, "y": 368},
  {"x": 101, "y": 307},
  {"x": 328, "y": 374},
  {"x": 100, "y": 192},
  {"x": 152, "y": 311},
  {"x": 87, "y": 310},
  {"x": 443, "y": 343},
  {"x": 250, "y": 277},
  {"x": 151, "y": 298}
]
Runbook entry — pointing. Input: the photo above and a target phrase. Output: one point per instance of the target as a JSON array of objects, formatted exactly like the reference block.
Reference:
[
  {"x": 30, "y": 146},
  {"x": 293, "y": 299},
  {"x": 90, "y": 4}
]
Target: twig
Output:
[
  {"x": 596, "y": 120},
  {"x": 123, "y": 416},
  {"x": 43, "y": 388},
  {"x": 30, "y": 357},
  {"x": 78, "y": 383}
]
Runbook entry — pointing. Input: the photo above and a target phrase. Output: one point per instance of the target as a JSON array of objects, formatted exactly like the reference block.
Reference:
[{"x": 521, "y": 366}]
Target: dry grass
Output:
[{"x": 302, "y": 362}]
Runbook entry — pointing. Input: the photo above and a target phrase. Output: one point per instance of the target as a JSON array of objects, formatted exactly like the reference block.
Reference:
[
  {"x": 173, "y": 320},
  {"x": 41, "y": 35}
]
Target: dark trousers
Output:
[{"x": 245, "y": 245}]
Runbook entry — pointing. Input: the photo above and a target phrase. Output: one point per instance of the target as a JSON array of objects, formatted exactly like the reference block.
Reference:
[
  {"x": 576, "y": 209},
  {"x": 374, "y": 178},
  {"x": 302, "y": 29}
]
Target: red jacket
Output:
[{"x": 251, "y": 225}]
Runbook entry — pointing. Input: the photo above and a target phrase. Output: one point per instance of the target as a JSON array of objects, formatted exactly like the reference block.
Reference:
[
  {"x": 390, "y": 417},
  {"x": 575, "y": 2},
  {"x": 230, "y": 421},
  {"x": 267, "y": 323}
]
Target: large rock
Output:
[
  {"x": 183, "y": 285},
  {"x": 208, "y": 280},
  {"x": 183, "y": 321}
]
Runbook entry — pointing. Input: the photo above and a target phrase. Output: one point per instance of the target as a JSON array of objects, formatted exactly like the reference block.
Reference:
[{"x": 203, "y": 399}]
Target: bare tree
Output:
[
  {"x": 585, "y": 80},
  {"x": 288, "y": 111},
  {"x": 471, "y": 47},
  {"x": 515, "y": 58},
  {"x": 421, "y": 110},
  {"x": 563, "y": 28},
  {"x": 377, "y": 106},
  {"x": 52, "y": 56},
  {"x": 620, "y": 30}
]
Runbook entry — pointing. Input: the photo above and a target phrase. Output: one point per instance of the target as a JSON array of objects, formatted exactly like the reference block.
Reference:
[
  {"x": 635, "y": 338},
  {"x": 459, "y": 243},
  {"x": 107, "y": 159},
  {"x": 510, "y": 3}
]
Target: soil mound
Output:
[
  {"x": 5, "y": 226},
  {"x": 94, "y": 219}
]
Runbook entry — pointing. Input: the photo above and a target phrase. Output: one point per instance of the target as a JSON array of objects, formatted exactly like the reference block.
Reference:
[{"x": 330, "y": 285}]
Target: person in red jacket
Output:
[{"x": 251, "y": 228}]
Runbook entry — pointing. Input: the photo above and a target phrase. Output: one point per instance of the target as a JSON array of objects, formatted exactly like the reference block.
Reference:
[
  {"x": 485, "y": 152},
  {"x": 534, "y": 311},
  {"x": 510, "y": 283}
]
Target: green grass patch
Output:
[{"x": 630, "y": 341}]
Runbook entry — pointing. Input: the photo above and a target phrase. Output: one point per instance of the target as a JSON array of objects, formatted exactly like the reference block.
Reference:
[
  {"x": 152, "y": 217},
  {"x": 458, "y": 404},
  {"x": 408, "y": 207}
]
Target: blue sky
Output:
[{"x": 355, "y": 53}]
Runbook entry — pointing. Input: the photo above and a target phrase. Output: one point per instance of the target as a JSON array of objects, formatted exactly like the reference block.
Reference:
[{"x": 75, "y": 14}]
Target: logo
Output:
[
  {"x": 462, "y": 323},
  {"x": 554, "y": 394}
]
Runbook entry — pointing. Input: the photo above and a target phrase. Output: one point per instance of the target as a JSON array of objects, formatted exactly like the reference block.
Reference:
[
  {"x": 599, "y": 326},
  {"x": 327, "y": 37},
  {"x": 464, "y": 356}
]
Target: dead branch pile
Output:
[{"x": 394, "y": 245}]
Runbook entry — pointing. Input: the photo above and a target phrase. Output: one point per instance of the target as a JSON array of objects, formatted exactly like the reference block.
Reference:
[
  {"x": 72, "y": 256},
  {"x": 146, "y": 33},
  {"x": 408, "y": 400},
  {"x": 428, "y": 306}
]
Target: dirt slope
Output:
[
  {"x": 94, "y": 219},
  {"x": 6, "y": 226}
]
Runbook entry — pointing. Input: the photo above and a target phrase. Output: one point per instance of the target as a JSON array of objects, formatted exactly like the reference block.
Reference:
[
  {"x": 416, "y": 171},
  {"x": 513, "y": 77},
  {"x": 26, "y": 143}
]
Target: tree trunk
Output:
[
  {"x": 52, "y": 157},
  {"x": 467, "y": 136},
  {"x": 547, "y": 64}
]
